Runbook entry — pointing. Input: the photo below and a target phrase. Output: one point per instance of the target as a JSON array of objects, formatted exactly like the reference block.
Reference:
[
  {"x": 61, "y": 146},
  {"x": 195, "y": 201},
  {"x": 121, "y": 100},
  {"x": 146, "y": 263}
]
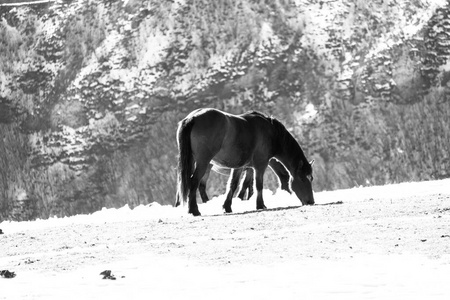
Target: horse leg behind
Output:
[
  {"x": 202, "y": 185},
  {"x": 247, "y": 184},
  {"x": 178, "y": 197},
  {"x": 283, "y": 175},
  {"x": 233, "y": 183},
  {"x": 177, "y": 200}
]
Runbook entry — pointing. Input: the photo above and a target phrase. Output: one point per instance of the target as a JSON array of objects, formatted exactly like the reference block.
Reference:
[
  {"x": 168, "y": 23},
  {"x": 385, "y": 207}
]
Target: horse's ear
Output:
[{"x": 311, "y": 162}]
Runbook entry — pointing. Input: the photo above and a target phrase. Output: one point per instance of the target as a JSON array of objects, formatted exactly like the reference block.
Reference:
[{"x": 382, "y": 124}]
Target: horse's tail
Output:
[{"x": 185, "y": 158}]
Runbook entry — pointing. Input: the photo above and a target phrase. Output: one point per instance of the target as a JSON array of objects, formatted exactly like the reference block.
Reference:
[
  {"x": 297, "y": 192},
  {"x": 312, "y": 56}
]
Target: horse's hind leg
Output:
[
  {"x": 200, "y": 170},
  {"x": 202, "y": 191},
  {"x": 177, "y": 200},
  {"x": 233, "y": 184},
  {"x": 178, "y": 195},
  {"x": 202, "y": 185},
  {"x": 247, "y": 184}
]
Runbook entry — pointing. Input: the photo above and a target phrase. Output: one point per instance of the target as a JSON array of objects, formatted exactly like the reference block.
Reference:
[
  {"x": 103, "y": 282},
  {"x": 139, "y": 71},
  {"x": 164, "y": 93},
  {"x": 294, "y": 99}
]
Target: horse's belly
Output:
[{"x": 231, "y": 159}]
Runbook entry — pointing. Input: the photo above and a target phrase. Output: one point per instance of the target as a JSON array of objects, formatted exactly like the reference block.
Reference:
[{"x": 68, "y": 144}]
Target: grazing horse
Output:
[
  {"x": 247, "y": 182},
  {"x": 237, "y": 142}
]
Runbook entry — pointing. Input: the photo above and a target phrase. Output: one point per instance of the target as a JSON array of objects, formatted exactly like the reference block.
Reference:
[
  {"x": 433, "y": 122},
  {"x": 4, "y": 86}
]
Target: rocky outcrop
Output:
[{"x": 91, "y": 92}]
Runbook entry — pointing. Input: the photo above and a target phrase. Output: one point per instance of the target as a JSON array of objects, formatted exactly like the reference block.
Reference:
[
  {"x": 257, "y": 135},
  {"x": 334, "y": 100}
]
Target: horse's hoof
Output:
[
  {"x": 227, "y": 210},
  {"x": 195, "y": 213},
  {"x": 258, "y": 207}
]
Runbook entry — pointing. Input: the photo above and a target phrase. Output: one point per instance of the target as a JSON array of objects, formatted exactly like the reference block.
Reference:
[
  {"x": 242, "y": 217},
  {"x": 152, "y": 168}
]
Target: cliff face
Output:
[{"x": 91, "y": 92}]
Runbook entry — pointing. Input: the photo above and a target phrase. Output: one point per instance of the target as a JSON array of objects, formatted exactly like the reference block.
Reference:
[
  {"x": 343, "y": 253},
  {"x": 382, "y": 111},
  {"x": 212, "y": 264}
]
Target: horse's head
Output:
[{"x": 302, "y": 183}]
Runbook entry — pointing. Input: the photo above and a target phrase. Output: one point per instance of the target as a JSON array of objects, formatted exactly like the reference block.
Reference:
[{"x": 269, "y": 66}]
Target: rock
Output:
[
  {"x": 7, "y": 274},
  {"x": 108, "y": 275}
]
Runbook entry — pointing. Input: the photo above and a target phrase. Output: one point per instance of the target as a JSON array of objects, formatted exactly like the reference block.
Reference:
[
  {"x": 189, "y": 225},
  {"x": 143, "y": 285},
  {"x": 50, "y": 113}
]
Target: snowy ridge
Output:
[{"x": 27, "y": 3}]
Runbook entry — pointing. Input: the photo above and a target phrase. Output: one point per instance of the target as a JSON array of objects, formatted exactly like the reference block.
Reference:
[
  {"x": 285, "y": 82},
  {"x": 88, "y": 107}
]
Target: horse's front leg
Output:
[
  {"x": 284, "y": 177},
  {"x": 259, "y": 176},
  {"x": 233, "y": 183}
]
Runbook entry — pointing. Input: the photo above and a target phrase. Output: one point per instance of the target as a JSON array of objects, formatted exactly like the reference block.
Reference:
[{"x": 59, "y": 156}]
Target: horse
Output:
[
  {"x": 237, "y": 142},
  {"x": 246, "y": 188}
]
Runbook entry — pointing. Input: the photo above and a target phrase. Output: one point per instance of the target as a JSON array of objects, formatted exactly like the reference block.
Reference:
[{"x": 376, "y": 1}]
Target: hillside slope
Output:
[{"x": 91, "y": 92}]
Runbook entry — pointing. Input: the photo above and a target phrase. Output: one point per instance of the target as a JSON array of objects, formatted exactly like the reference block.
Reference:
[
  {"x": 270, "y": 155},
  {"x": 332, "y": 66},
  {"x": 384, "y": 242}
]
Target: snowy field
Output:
[{"x": 342, "y": 248}]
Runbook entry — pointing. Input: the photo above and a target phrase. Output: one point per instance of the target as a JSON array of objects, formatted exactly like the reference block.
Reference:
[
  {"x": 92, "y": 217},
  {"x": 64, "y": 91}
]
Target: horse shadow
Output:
[{"x": 273, "y": 209}]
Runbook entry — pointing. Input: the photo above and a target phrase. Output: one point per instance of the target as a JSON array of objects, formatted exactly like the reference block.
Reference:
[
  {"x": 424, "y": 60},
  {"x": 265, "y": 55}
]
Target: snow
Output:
[
  {"x": 149, "y": 275},
  {"x": 407, "y": 25},
  {"x": 26, "y": 3},
  {"x": 309, "y": 113},
  {"x": 214, "y": 207}
]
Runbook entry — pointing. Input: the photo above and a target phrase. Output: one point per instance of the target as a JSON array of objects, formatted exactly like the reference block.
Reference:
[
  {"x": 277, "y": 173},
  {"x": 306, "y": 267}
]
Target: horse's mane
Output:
[
  {"x": 279, "y": 127},
  {"x": 280, "y": 130},
  {"x": 258, "y": 113},
  {"x": 285, "y": 136}
]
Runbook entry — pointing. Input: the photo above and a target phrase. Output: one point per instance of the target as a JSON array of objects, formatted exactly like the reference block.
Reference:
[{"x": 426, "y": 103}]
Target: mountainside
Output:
[{"x": 91, "y": 92}]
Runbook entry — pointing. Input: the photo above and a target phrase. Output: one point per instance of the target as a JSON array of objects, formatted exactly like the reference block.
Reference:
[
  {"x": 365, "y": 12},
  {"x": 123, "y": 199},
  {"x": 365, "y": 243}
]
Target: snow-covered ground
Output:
[
  {"x": 144, "y": 273},
  {"x": 149, "y": 277},
  {"x": 214, "y": 207}
]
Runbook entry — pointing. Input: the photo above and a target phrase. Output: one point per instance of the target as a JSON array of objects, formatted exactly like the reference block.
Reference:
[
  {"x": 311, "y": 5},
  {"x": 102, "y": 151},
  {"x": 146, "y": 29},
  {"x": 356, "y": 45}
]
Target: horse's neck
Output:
[{"x": 290, "y": 154}]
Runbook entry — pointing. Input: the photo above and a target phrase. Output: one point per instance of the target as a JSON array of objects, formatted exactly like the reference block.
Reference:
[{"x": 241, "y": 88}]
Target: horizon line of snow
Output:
[{"x": 27, "y": 3}]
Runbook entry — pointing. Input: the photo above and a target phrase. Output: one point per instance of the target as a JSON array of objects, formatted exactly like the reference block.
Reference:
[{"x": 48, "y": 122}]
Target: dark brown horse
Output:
[
  {"x": 246, "y": 188},
  {"x": 237, "y": 142}
]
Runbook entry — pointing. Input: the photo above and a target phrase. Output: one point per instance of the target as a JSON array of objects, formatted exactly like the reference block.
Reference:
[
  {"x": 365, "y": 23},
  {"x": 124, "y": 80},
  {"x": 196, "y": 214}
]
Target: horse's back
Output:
[
  {"x": 208, "y": 131},
  {"x": 230, "y": 140},
  {"x": 208, "y": 119},
  {"x": 200, "y": 112},
  {"x": 219, "y": 136}
]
